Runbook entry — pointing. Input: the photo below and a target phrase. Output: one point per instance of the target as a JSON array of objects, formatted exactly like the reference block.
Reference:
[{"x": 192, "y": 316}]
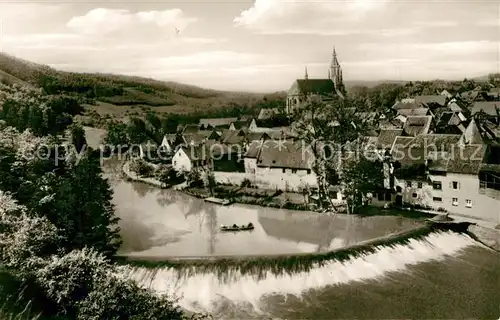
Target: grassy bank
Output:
[{"x": 288, "y": 264}]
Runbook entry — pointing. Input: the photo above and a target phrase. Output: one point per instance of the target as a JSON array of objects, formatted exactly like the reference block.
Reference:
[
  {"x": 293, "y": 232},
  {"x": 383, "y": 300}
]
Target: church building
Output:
[{"x": 324, "y": 88}]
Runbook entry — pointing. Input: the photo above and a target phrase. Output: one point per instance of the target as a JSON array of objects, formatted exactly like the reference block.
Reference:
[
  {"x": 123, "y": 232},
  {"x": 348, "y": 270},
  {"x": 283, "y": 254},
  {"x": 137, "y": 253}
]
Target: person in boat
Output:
[
  {"x": 235, "y": 226},
  {"x": 250, "y": 225}
]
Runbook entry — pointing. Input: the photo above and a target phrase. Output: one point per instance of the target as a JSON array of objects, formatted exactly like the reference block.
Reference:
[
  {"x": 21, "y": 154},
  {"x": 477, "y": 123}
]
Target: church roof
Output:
[{"x": 318, "y": 86}]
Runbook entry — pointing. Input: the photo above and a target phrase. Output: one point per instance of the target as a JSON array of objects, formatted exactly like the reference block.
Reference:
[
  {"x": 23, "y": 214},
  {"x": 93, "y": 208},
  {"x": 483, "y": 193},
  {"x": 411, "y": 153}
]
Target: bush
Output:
[
  {"x": 142, "y": 168},
  {"x": 246, "y": 183},
  {"x": 194, "y": 179},
  {"x": 168, "y": 176}
]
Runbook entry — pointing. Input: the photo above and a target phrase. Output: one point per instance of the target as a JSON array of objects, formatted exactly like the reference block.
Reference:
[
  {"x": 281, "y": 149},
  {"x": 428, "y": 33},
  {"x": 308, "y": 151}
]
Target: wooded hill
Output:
[{"x": 120, "y": 90}]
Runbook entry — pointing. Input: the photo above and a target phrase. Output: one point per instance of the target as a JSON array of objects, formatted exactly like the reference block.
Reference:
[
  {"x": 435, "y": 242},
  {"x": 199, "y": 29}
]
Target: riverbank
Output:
[
  {"x": 270, "y": 198},
  {"x": 130, "y": 175},
  {"x": 485, "y": 232}
]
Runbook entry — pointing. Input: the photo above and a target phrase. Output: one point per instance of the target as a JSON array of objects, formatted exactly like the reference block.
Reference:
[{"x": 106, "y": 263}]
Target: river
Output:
[{"x": 444, "y": 275}]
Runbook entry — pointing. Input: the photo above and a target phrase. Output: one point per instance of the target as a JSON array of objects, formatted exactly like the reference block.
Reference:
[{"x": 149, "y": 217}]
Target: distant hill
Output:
[
  {"x": 120, "y": 90},
  {"x": 371, "y": 84},
  {"x": 374, "y": 83},
  {"x": 8, "y": 79}
]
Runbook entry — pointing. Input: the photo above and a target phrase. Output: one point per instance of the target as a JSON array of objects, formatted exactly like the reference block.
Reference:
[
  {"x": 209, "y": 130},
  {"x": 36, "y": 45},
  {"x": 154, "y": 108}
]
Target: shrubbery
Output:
[
  {"x": 142, "y": 168},
  {"x": 58, "y": 231}
]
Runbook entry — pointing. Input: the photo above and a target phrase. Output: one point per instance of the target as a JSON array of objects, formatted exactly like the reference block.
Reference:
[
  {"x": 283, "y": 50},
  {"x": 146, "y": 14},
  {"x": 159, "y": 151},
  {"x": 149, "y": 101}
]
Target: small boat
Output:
[{"x": 235, "y": 227}]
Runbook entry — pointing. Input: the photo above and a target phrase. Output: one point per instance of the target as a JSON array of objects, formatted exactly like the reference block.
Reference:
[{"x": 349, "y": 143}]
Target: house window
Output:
[
  {"x": 381, "y": 196},
  {"x": 294, "y": 170},
  {"x": 455, "y": 185},
  {"x": 284, "y": 170},
  {"x": 414, "y": 195},
  {"x": 454, "y": 201},
  {"x": 437, "y": 199},
  {"x": 408, "y": 184},
  {"x": 436, "y": 185},
  {"x": 334, "y": 195},
  {"x": 175, "y": 163},
  {"x": 308, "y": 171},
  {"x": 420, "y": 185},
  {"x": 468, "y": 203}
]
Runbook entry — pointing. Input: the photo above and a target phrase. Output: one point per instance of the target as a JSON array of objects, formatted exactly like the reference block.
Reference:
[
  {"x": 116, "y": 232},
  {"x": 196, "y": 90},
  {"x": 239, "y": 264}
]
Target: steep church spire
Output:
[{"x": 335, "y": 72}]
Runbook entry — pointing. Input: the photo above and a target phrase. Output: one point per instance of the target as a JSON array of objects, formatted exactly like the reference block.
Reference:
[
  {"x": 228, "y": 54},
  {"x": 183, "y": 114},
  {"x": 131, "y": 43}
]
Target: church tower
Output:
[{"x": 335, "y": 72}]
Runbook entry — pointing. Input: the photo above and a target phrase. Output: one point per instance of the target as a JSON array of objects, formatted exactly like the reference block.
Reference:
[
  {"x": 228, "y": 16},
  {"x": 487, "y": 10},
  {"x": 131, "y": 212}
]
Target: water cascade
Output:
[{"x": 204, "y": 286}]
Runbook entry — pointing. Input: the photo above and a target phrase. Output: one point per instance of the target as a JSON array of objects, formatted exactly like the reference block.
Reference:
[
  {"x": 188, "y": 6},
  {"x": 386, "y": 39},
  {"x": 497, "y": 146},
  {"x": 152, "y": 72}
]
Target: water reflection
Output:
[{"x": 164, "y": 223}]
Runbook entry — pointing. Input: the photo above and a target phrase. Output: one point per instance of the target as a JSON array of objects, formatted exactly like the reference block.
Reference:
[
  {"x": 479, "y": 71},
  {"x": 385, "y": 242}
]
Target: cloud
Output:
[
  {"x": 370, "y": 17},
  {"x": 303, "y": 17},
  {"x": 102, "y": 20}
]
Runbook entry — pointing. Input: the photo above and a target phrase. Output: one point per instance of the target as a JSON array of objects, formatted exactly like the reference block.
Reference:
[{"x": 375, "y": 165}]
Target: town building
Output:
[
  {"x": 283, "y": 165},
  {"x": 301, "y": 89},
  {"x": 187, "y": 158},
  {"x": 453, "y": 173}
]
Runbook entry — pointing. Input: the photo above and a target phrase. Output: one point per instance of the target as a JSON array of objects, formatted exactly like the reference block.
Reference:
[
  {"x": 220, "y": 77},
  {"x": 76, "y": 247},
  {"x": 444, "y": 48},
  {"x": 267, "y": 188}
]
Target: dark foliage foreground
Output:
[{"x": 58, "y": 231}]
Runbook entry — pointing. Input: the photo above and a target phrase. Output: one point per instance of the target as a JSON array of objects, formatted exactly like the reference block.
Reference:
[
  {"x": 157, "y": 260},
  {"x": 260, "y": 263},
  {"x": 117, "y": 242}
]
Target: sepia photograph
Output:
[{"x": 249, "y": 159}]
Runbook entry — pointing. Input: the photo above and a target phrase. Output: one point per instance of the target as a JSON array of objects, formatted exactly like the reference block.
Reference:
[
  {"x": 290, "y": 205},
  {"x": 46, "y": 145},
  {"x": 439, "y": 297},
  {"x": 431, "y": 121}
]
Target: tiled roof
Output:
[
  {"x": 417, "y": 125},
  {"x": 420, "y": 148},
  {"x": 489, "y": 107},
  {"x": 405, "y": 105},
  {"x": 469, "y": 95},
  {"x": 234, "y": 137},
  {"x": 442, "y": 142},
  {"x": 253, "y": 149},
  {"x": 251, "y": 136},
  {"x": 226, "y": 134},
  {"x": 191, "y": 128},
  {"x": 267, "y": 113},
  {"x": 438, "y": 161},
  {"x": 195, "y": 152},
  {"x": 386, "y": 138},
  {"x": 216, "y": 122},
  {"x": 285, "y": 154},
  {"x": 401, "y": 142},
  {"x": 472, "y": 135},
  {"x": 467, "y": 161},
  {"x": 318, "y": 86},
  {"x": 454, "y": 106},
  {"x": 195, "y": 138},
  {"x": 430, "y": 100},
  {"x": 413, "y": 112}
]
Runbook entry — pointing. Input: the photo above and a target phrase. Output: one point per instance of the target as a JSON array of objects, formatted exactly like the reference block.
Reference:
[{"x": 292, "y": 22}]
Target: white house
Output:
[
  {"x": 284, "y": 165},
  {"x": 454, "y": 178},
  {"x": 189, "y": 157}
]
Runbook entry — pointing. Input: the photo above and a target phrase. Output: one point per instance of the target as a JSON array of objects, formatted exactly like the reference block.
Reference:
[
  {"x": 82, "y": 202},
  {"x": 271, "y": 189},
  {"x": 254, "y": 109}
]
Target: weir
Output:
[
  {"x": 281, "y": 264},
  {"x": 245, "y": 284}
]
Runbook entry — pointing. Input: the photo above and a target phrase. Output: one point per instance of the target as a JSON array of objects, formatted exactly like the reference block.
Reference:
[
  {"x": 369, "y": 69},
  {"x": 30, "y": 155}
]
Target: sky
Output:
[{"x": 260, "y": 45}]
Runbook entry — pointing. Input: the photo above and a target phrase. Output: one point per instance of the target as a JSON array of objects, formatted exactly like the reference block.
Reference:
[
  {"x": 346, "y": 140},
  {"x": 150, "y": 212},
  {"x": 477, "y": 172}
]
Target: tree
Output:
[
  {"x": 117, "y": 134},
  {"x": 80, "y": 207},
  {"x": 78, "y": 139},
  {"x": 360, "y": 176},
  {"x": 194, "y": 179},
  {"x": 326, "y": 129},
  {"x": 211, "y": 183}
]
